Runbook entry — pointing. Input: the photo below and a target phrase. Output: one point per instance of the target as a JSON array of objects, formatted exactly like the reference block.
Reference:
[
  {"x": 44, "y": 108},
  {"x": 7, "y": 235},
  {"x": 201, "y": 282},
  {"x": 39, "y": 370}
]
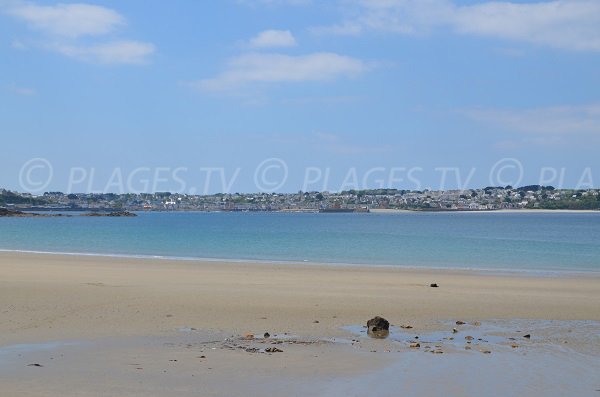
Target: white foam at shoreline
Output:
[{"x": 488, "y": 271}]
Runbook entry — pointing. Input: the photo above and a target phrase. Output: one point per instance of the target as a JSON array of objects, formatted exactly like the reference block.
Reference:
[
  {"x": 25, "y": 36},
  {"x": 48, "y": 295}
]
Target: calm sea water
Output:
[{"x": 521, "y": 241}]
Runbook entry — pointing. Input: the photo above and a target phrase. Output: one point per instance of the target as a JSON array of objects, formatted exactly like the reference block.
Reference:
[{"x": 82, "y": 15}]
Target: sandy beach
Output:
[{"x": 99, "y": 326}]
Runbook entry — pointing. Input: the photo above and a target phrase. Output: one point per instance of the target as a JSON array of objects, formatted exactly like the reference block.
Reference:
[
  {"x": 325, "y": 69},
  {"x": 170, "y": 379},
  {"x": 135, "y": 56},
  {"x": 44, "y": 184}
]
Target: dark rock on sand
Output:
[
  {"x": 433, "y": 285},
  {"x": 528, "y": 336},
  {"x": 266, "y": 335},
  {"x": 273, "y": 350},
  {"x": 378, "y": 323},
  {"x": 378, "y": 327}
]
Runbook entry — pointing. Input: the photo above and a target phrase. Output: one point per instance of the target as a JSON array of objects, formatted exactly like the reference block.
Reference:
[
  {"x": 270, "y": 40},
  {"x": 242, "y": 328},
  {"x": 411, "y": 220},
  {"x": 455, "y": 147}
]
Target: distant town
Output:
[{"x": 486, "y": 199}]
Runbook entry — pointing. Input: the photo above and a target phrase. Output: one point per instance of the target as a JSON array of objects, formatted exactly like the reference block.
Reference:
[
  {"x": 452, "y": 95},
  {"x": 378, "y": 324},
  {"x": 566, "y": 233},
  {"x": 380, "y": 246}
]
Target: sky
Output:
[{"x": 287, "y": 95}]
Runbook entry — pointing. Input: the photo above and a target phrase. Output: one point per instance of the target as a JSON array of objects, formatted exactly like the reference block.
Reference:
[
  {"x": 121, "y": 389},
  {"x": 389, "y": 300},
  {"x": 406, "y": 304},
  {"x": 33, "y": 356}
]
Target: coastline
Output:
[
  {"x": 27, "y": 212},
  {"x": 151, "y": 324},
  {"x": 503, "y": 211},
  {"x": 436, "y": 269}
]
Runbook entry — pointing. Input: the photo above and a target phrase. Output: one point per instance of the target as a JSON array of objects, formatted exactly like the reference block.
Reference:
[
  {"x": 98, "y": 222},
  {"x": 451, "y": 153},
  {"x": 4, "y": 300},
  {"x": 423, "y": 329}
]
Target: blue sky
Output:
[{"x": 149, "y": 95}]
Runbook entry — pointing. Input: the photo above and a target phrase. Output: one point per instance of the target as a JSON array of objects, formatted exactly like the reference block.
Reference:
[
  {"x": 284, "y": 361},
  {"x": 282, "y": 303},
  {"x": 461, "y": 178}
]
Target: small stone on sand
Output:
[{"x": 273, "y": 350}]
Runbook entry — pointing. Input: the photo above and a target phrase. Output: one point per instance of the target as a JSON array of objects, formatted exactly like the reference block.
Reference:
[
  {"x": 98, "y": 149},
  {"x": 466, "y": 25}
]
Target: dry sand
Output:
[{"x": 141, "y": 326}]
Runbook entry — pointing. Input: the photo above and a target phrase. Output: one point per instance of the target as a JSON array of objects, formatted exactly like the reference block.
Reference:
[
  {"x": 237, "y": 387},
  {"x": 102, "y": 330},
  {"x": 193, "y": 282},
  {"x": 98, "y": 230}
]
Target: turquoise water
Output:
[{"x": 512, "y": 241}]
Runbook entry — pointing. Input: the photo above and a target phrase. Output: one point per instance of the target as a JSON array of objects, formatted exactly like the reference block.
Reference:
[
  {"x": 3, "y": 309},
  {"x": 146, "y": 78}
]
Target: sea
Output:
[{"x": 501, "y": 241}]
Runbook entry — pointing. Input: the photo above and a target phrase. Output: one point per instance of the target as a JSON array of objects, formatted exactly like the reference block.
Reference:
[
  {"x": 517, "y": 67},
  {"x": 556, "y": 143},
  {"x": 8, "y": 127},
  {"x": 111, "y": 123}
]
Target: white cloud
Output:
[
  {"x": 546, "y": 121},
  {"x": 129, "y": 52},
  {"x": 566, "y": 24},
  {"x": 277, "y": 68},
  {"x": 68, "y": 20},
  {"x": 273, "y": 38},
  {"x": 67, "y": 28},
  {"x": 572, "y": 24}
]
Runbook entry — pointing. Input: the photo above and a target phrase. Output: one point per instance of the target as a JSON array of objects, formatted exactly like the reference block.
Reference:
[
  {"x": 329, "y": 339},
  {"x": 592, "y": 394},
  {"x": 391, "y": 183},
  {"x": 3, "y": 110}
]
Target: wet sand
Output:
[{"x": 103, "y": 326}]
